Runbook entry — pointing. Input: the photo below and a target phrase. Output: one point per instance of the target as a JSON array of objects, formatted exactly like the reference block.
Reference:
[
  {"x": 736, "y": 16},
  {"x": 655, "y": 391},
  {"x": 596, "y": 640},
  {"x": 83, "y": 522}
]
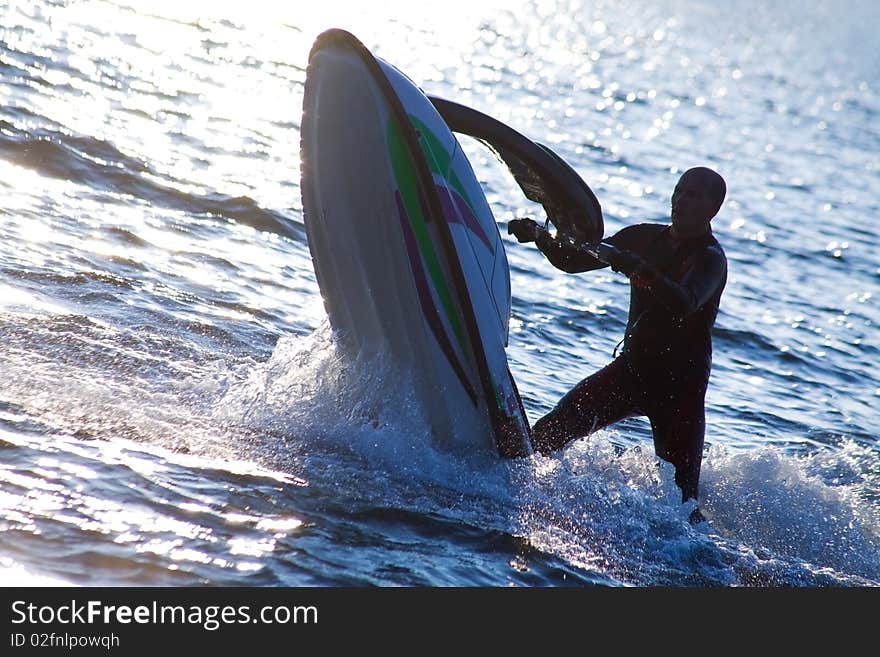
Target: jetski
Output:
[{"x": 406, "y": 250}]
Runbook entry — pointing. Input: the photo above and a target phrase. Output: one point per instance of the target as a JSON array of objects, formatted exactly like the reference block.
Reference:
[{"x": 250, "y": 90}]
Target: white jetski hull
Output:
[{"x": 406, "y": 251}]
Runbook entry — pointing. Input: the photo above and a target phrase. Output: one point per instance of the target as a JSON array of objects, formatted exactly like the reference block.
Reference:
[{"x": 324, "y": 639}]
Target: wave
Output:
[
  {"x": 350, "y": 428},
  {"x": 98, "y": 164}
]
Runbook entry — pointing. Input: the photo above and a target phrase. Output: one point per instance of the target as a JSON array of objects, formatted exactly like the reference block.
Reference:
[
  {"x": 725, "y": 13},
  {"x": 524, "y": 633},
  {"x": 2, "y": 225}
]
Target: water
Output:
[{"x": 173, "y": 410}]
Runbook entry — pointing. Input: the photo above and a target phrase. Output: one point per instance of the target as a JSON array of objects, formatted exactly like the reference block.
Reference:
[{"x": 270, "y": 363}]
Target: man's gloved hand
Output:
[
  {"x": 626, "y": 262},
  {"x": 525, "y": 230}
]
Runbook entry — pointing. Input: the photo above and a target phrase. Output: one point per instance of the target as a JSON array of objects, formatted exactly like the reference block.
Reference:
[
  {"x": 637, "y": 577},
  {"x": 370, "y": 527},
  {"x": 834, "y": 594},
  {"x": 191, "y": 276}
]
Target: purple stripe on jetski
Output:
[
  {"x": 464, "y": 215},
  {"x": 426, "y": 300}
]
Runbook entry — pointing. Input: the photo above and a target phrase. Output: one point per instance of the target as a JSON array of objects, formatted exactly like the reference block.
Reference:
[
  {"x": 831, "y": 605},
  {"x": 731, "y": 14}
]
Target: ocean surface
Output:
[{"x": 173, "y": 409}]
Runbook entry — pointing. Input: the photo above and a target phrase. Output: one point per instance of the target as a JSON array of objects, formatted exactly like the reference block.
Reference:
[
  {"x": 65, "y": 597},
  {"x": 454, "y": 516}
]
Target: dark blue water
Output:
[{"x": 173, "y": 410}]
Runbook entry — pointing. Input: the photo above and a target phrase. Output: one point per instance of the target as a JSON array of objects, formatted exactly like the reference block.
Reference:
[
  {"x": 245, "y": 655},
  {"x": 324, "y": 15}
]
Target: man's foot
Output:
[{"x": 696, "y": 516}]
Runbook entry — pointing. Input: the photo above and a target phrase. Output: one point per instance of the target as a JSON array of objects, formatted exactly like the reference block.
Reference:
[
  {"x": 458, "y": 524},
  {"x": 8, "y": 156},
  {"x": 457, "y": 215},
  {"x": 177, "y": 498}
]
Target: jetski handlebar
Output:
[{"x": 602, "y": 251}]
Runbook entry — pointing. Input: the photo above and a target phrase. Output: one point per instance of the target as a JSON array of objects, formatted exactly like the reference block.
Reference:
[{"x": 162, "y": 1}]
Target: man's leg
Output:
[
  {"x": 604, "y": 398},
  {"x": 679, "y": 429}
]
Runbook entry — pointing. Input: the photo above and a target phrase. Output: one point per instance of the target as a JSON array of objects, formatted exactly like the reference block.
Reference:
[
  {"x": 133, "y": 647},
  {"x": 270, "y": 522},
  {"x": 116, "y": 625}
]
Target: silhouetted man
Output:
[{"x": 677, "y": 273}]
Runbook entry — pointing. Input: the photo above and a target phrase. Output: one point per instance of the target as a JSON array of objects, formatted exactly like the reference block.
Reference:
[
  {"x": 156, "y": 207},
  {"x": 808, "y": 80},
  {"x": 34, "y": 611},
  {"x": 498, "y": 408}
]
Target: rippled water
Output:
[{"x": 172, "y": 407}]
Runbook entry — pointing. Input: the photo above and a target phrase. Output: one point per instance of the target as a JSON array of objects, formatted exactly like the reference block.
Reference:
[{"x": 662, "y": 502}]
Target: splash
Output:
[
  {"x": 774, "y": 519},
  {"x": 616, "y": 513},
  {"x": 308, "y": 386},
  {"x": 820, "y": 508},
  {"x": 612, "y": 512},
  {"x": 313, "y": 400}
]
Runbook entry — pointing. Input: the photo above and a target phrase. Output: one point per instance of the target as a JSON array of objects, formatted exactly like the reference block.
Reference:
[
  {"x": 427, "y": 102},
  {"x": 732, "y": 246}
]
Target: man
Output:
[{"x": 677, "y": 273}]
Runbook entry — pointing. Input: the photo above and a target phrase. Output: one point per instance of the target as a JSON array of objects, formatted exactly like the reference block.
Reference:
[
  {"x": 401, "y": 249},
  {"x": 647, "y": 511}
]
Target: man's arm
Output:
[
  {"x": 695, "y": 289},
  {"x": 561, "y": 254},
  {"x": 566, "y": 256},
  {"x": 569, "y": 258}
]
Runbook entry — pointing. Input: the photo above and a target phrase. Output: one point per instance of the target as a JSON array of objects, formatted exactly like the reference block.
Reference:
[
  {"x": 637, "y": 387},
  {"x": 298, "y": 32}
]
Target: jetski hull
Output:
[{"x": 406, "y": 251}]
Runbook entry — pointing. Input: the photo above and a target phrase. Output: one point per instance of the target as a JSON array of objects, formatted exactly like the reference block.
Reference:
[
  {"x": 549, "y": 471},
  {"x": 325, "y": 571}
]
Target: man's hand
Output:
[
  {"x": 626, "y": 262},
  {"x": 525, "y": 230}
]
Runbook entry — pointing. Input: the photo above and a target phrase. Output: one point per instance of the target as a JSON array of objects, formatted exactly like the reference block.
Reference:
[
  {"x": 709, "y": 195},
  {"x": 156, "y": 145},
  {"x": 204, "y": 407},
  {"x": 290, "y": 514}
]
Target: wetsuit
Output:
[{"x": 663, "y": 370}]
